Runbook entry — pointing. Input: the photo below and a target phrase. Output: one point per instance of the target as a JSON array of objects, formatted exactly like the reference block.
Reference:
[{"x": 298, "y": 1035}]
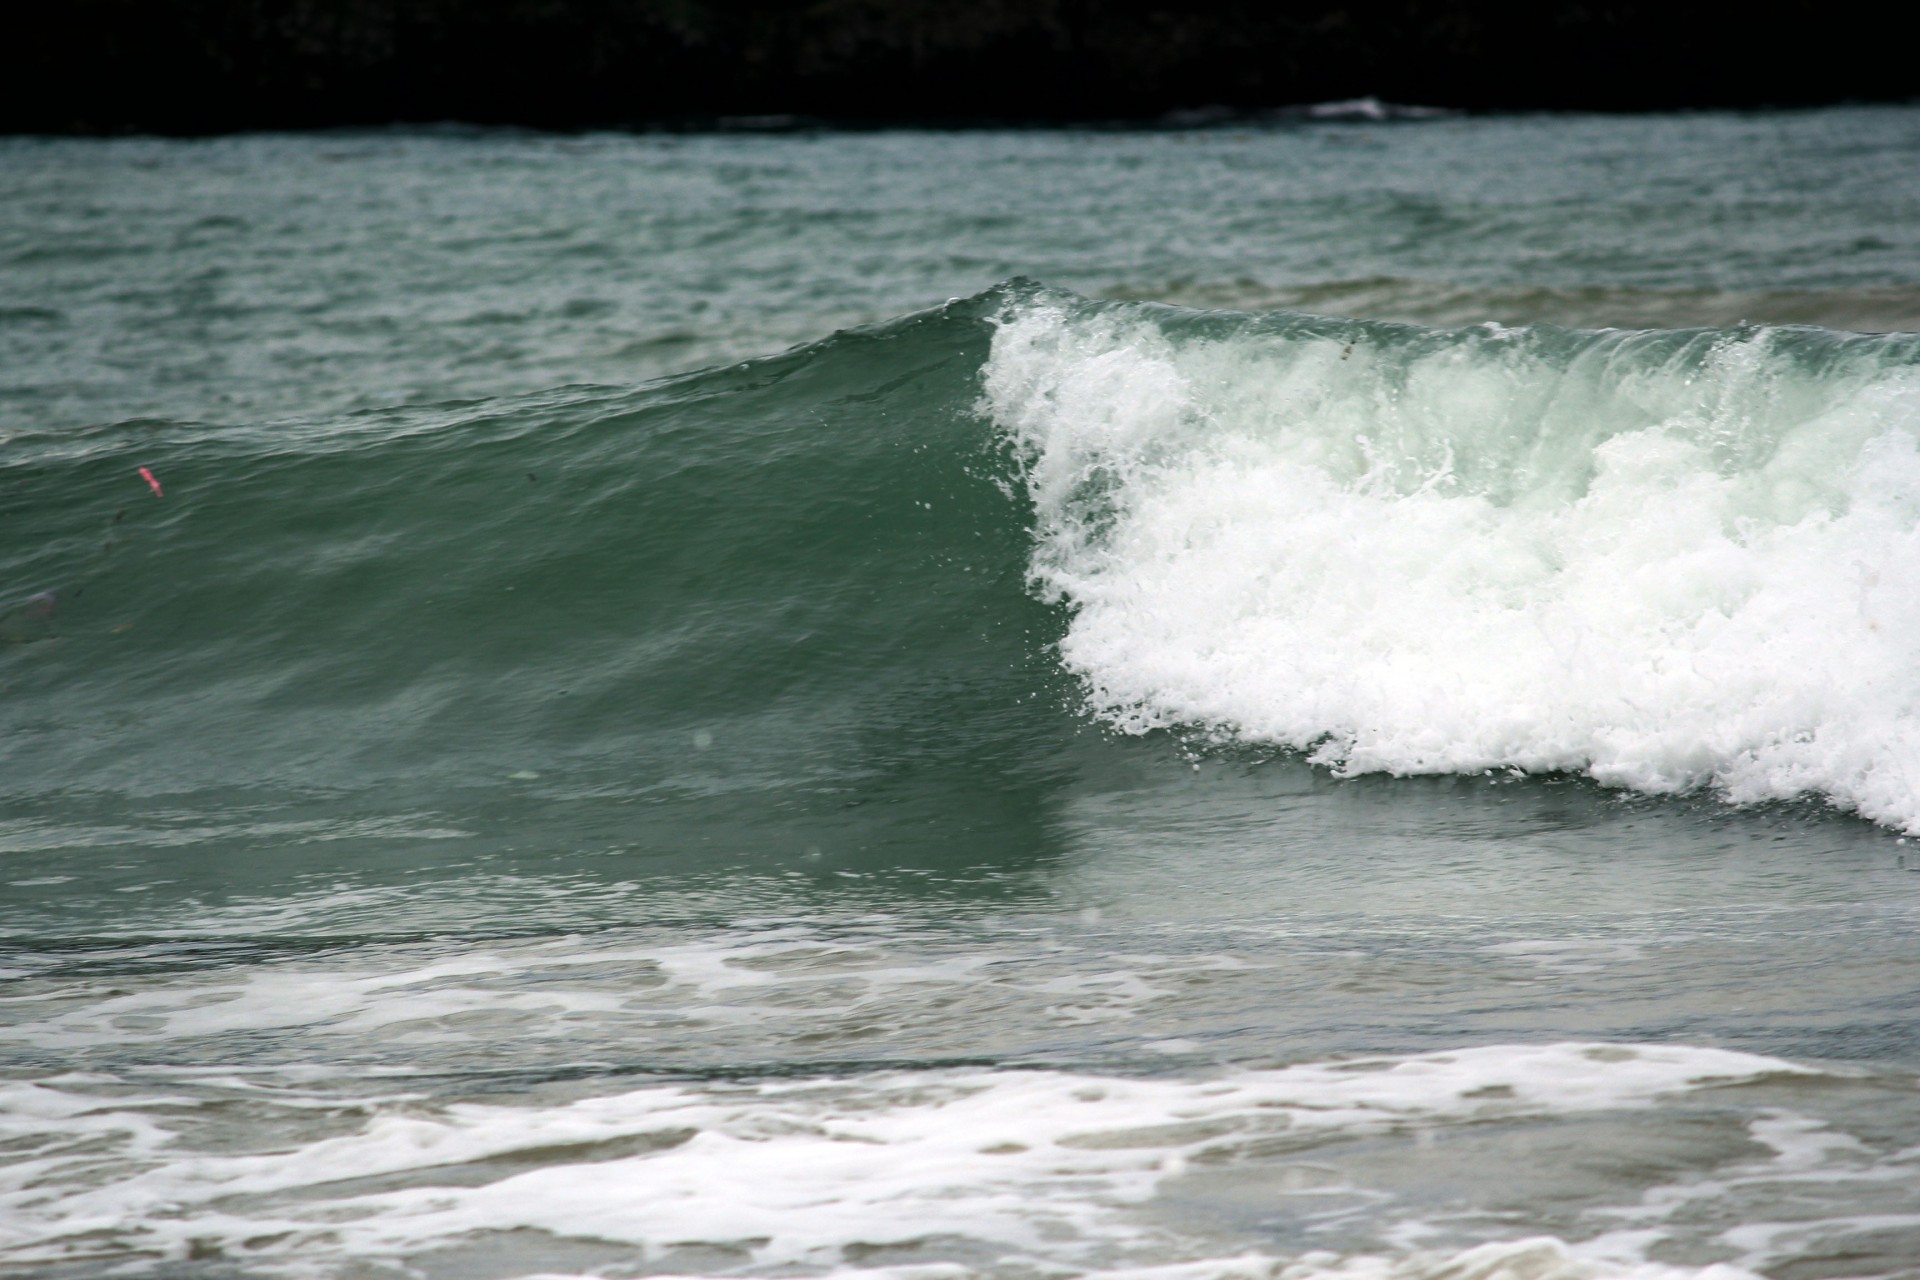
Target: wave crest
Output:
[{"x": 1668, "y": 561}]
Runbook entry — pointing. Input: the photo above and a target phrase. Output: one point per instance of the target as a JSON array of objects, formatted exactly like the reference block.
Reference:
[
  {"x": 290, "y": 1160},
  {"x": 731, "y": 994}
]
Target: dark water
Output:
[{"x": 1021, "y": 786}]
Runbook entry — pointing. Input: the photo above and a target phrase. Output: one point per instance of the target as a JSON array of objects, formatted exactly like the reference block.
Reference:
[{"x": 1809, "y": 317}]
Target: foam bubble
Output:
[
  {"x": 1668, "y": 561},
  {"x": 1533, "y": 1258},
  {"x": 1041, "y": 1167}
]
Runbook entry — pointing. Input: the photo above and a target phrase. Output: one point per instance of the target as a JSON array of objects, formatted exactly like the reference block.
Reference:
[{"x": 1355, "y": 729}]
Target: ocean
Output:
[{"x": 1336, "y": 700}]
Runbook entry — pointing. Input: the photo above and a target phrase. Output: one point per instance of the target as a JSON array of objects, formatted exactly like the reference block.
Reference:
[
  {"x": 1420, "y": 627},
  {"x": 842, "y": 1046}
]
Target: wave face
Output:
[
  {"x": 728, "y": 598},
  {"x": 1666, "y": 560}
]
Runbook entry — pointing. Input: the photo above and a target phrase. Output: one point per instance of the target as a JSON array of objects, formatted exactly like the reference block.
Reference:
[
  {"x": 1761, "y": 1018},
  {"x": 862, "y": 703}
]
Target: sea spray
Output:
[{"x": 1667, "y": 560}]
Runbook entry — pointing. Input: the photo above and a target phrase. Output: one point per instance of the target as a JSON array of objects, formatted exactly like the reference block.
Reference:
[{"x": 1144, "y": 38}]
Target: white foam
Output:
[
  {"x": 1818, "y": 1192},
  {"x": 1666, "y": 562},
  {"x": 1035, "y": 1165},
  {"x": 1533, "y": 1258},
  {"x": 772, "y": 981}
]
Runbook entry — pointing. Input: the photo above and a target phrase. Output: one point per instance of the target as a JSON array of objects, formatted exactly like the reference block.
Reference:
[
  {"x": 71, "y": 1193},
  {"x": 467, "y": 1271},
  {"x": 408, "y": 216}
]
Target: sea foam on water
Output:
[
  {"x": 792, "y": 1176},
  {"x": 1668, "y": 561}
]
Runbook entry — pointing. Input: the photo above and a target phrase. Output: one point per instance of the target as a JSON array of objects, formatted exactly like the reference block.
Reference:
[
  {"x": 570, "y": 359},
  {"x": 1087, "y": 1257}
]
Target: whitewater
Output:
[
  {"x": 1666, "y": 561},
  {"x": 1329, "y": 701}
]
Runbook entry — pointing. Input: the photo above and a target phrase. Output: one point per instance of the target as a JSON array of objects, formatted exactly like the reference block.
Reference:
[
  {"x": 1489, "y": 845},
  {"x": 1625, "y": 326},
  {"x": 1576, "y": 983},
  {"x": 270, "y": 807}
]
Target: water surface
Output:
[{"x": 1321, "y": 701}]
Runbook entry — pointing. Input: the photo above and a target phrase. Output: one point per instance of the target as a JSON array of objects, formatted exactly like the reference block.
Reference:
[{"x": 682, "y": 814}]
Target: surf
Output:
[{"x": 1670, "y": 561}]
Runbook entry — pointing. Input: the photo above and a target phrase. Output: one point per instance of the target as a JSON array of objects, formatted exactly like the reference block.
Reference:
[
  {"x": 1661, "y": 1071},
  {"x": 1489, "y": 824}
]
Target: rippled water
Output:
[{"x": 233, "y": 280}]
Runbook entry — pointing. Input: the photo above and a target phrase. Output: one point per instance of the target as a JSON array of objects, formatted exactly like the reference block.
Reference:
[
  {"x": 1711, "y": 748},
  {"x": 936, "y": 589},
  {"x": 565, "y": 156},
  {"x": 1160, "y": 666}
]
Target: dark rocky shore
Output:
[{"x": 193, "y": 66}]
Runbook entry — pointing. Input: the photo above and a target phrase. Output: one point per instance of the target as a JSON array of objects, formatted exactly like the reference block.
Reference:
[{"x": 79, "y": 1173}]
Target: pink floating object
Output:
[{"x": 151, "y": 482}]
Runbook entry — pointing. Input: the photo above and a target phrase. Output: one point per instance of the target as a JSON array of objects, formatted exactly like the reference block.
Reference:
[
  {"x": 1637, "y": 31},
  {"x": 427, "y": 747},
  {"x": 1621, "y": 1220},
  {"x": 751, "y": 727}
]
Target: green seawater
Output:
[{"x": 1330, "y": 700}]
